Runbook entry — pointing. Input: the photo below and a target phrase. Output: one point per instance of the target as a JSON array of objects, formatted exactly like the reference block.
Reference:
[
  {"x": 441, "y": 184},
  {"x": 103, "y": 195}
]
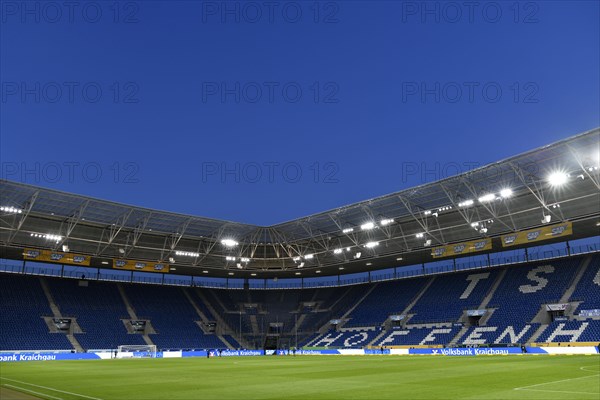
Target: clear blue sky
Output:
[{"x": 149, "y": 102}]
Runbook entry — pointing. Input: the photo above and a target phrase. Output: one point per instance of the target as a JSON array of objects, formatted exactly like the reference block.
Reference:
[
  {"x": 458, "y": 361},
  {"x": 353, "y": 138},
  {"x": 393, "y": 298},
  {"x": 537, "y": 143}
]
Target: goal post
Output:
[{"x": 136, "y": 351}]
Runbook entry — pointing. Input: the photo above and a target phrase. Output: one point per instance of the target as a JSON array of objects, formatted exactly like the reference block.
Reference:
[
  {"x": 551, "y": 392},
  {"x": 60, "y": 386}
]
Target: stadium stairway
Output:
[
  {"x": 57, "y": 314},
  {"x": 538, "y": 333},
  {"x": 196, "y": 308},
  {"x": 254, "y": 324},
  {"x": 542, "y": 316},
  {"x": 571, "y": 289},
  {"x": 133, "y": 316},
  {"x": 490, "y": 294},
  {"x": 349, "y": 311},
  {"x": 406, "y": 311},
  {"x": 222, "y": 326},
  {"x": 458, "y": 336},
  {"x": 229, "y": 345}
]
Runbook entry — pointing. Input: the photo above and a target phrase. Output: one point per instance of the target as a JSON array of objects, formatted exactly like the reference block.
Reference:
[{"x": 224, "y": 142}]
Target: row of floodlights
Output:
[
  {"x": 367, "y": 226},
  {"x": 11, "y": 210},
  {"x": 47, "y": 236}
]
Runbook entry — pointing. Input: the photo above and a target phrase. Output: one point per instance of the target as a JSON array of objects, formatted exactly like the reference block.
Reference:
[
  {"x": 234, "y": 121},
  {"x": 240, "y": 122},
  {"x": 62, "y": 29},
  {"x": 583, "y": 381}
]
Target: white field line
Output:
[
  {"x": 558, "y": 391},
  {"x": 31, "y": 391},
  {"x": 551, "y": 382},
  {"x": 49, "y": 388}
]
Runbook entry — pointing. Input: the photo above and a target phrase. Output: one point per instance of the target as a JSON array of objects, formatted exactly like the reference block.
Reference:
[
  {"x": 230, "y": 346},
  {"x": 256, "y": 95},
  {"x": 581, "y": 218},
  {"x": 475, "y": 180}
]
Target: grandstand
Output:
[{"x": 467, "y": 261}]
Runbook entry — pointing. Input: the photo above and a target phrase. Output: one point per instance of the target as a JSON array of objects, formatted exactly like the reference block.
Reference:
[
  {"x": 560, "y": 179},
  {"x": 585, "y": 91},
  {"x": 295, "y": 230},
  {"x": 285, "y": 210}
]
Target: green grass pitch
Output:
[{"x": 311, "y": 377}]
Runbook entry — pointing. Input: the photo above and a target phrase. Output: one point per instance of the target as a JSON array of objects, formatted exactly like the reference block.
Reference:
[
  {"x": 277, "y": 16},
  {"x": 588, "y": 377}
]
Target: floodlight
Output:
[
  {"x": 465, "y": 203},
  {"x": 309, "y": 256},
  {"x": 347, "y": 230},
  {"x": 558, "y": 178},
  {"x": 229, "y": 242},
  {"x": 506, "y": 193},
  {"x": 486, "y": 198},
  {"x": 370, "y": 245},
  {"x": 386, "y": 221},
  {"x": 337, "y": 251},
  {"x": 366, "y": 226}
]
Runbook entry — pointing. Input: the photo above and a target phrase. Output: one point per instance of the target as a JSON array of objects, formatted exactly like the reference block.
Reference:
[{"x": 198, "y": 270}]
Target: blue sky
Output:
[{"x": 263, "y": 112}]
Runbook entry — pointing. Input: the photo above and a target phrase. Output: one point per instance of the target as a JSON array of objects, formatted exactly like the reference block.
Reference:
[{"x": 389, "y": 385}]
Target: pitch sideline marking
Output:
[
  {"x": 31, "y": 391},
  {"x": 551, "y": 382},
  {"x": 49, "y": 388},
  {"x": 557, "y": 391}
]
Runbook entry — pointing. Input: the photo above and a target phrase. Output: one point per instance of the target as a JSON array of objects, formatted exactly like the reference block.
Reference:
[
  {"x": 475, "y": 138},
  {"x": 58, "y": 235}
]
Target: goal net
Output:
[{"x": 136, "y": 351}]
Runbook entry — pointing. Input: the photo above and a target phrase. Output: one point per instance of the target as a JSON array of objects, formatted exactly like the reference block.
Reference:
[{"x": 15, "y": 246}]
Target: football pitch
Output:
[{"x": 309, "y": 377}]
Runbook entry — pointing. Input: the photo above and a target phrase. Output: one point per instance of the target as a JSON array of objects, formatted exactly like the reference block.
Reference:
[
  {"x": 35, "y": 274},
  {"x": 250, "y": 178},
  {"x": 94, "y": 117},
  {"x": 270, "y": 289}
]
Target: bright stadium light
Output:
[
  {"x": 419, "y": 235},
  {"x": 296, "y": 259},
  {"x": 466, "y": 203},
  {"x": 367, "y": 226},
  {"x": 301, "y": 265},
  {"x": 386, "y": 221},
  {"x": 244, "y": 259},
  {"x": 347, "y": 230},
  {"x": 558, "y": 178},
  {"x": 187, "y": 254},
  {"x": 309, "y": 256},
  {"x": 337, "y": 251},
  {"x": 11, "y": 210},
  {"x": 370, "y": 245},
  {"x": 357, "y": 255},
  {"x": 230, "y": 258},
  {"x": 506, "y": 193},
  {"x": 487, "y": 198},
  {"x": 47, "y": 236},
  {"x": 427, "y": 212},
  {"x": 229, "y": 242},
  {"x": 474, "y": 224}
]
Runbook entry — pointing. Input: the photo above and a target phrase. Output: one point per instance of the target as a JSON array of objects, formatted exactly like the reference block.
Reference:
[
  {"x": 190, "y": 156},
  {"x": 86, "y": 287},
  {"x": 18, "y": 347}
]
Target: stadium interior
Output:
[{"x": 472, "y": 260}]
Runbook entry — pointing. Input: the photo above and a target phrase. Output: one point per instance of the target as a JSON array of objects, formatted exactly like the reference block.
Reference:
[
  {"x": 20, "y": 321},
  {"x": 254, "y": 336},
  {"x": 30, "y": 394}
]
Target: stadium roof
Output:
[{"x": 388, "y": 231}]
